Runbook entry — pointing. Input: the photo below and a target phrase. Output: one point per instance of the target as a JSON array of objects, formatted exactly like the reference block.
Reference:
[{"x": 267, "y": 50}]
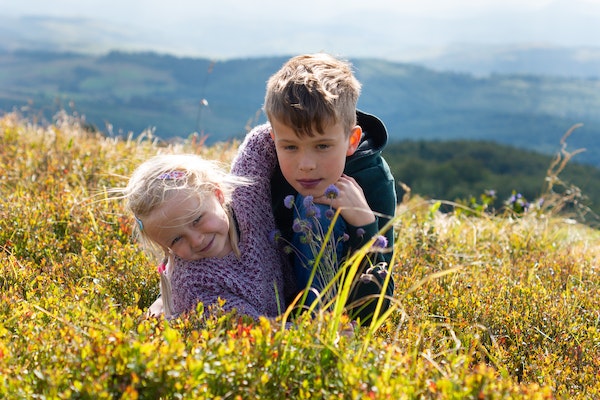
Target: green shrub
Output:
[{"x": 486, "y": 306}]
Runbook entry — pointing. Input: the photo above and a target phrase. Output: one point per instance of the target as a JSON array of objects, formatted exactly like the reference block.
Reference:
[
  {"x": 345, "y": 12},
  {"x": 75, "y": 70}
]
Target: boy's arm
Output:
[
  {"x": 380, "y": 191},
  {"x": 382, "y": 199}
]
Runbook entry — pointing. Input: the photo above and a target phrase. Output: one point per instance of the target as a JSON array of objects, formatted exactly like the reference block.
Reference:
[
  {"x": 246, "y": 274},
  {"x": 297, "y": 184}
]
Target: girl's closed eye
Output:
[
  {"x": 196, "y": 221},
  {"x": 174, "y": 241}
]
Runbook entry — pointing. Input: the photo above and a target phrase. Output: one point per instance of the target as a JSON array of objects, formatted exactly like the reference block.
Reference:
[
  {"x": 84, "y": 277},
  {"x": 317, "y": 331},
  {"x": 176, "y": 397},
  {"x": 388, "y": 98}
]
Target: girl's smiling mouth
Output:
[{"x": 208, "y": 246}]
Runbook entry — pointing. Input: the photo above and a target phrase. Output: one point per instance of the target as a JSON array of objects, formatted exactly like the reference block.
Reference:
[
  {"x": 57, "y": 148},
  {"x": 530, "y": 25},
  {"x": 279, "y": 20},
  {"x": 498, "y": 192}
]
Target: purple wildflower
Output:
[
  {"x": 314, "y": 211},
  {"x": 172, "y": 175},
  {"x": 274, "y": 236},
  {"x": 381, "y": 242},
  {"x": 329, "y": 213},
  {"x": 332, "y": 192},
  {"x": 297, "y": 225},
  {"x": 288, "y": 249},
  {"x": 308, "y": 202},
  {"x": 360, "y": 232},
  {"x": 288, "y": 202},
  {"x": 345, "y": 237}
]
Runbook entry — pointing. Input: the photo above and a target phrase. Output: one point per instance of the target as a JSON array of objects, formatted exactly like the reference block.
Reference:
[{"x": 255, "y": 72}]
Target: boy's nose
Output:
[{"x": 307, "y": 163}]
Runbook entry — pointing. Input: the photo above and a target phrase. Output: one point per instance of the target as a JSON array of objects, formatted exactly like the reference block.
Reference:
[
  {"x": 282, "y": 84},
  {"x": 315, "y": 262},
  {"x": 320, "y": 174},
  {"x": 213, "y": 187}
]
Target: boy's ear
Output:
[
  {"x": 354, "y": 141},
  {"x": 271, "y": 133}
]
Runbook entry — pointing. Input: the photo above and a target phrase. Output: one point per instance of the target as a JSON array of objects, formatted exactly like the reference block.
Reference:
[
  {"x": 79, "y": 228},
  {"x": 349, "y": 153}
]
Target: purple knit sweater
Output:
[{"x": 254, "y": 283}]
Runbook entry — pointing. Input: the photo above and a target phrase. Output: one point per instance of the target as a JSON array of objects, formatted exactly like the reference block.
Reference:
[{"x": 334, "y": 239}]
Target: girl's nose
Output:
[{"x": 197, "y": 239}]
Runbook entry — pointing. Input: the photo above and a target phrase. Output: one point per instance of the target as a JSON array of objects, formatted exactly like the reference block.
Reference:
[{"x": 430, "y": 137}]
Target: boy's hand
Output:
[{"x": 351, "y": 199}]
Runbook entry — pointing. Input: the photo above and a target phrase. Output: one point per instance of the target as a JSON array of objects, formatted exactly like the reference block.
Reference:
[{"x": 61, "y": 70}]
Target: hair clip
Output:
[
  {"x": 162, "y": 267},
  {"x": 172, "y": 175},
  {"x": 139, "y": 222}
]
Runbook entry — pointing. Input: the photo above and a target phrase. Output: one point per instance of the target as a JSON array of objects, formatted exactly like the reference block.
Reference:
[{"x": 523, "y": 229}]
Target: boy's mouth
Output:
[{"x": 309, "y": 183}]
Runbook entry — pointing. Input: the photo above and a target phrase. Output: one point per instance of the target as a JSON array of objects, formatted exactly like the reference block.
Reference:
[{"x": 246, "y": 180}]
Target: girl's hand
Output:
[{"x": 351, "y": 201}]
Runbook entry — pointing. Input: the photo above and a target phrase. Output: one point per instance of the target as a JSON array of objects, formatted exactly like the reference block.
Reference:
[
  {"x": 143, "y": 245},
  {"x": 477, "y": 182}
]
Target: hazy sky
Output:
[{"x": 397, "y": 29}]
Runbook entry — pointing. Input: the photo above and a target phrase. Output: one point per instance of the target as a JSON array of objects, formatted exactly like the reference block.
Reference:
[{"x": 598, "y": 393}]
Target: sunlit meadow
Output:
[{"x": 487, "y": 305}]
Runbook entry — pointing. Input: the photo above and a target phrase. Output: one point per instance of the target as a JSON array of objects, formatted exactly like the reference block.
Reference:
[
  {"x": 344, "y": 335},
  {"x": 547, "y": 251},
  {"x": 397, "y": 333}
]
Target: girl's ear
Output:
[
  {"x": 220, "y": 195},
  {"x": 354, "y": 141}
]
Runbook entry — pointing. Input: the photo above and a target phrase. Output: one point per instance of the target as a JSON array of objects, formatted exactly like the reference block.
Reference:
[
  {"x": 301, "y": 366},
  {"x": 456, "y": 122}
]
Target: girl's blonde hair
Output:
[{"x": 156, "y": 180}]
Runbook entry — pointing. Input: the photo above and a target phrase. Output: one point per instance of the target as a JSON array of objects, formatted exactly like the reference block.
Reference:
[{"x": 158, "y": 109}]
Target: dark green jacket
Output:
[{"x": 372, "y": 173}]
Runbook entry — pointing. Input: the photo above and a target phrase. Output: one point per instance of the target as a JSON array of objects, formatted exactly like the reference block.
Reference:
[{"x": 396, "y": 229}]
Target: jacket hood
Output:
[{"x": 374, "y": 136}]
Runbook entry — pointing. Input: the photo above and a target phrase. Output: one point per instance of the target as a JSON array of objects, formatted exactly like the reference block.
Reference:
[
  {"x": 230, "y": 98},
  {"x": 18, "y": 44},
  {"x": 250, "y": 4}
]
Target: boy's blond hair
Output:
[{"x": 312, "y": 91}]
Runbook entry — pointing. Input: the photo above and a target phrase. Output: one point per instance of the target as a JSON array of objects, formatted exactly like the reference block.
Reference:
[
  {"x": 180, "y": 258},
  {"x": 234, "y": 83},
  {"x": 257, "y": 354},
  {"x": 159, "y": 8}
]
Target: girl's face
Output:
[{"x": 191, "y": 226}]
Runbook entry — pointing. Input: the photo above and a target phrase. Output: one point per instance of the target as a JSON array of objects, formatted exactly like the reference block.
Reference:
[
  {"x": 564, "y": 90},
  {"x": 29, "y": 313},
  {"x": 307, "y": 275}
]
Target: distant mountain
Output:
[
  {"x": 91, "y": 36},
  {"x": 130, "y": 92},
  {"x": 525, "y": 60},
  {"x": 63, "y": 34}
]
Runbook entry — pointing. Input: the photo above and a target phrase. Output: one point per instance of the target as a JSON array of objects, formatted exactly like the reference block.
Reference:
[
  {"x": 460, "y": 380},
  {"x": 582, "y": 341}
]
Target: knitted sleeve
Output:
[
  {"x": 194, "y": 284},
  {"x": 256, "y": 156},
  {"x": 257, "y": 159}
]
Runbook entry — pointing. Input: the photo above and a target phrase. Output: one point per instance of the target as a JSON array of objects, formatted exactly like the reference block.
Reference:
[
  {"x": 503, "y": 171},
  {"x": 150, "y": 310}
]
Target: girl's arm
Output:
[
  {"x": 256, "y": 155},
  {"x": 191, "y": 295}
]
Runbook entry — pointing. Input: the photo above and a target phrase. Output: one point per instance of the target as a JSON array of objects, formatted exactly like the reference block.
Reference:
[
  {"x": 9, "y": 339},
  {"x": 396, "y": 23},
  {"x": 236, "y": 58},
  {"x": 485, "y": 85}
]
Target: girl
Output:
[{"x": 213, "y": 229}]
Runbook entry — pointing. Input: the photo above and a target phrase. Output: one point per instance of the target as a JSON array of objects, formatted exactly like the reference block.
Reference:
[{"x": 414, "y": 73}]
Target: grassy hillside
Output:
[
  {"x": 121, "y": 92},
  {"x": 486, "y": 306}
]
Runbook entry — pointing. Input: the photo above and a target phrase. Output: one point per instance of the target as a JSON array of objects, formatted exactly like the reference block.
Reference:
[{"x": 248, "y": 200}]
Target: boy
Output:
[{"x": 321, "y": 139}]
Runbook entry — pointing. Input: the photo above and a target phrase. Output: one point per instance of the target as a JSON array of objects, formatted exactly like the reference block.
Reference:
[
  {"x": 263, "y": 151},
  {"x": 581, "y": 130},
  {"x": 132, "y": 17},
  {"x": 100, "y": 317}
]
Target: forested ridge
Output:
[{"x": 458, "y": 170}]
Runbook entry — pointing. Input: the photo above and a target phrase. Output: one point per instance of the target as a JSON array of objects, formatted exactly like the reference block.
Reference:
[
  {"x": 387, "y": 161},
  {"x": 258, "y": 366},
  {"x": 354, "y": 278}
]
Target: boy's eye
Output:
[
  {"x": 290, "y": 147},
  {"x": 323, "y": 146}
]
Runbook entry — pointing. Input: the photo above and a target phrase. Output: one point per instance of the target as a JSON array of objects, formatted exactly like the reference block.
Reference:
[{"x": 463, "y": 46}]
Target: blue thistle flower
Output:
[
  {"x": 308, "y": 202},
  {"x": 288, "y": 202},
  {"x": 297, "y": 225},
  {"x": 314, "y": 211},
  {"x": 332, "y": 192},
  {"x": 274, "y": 236},
  {"x": 329, "y": 214},
  {"x": 381, "y": 242}
]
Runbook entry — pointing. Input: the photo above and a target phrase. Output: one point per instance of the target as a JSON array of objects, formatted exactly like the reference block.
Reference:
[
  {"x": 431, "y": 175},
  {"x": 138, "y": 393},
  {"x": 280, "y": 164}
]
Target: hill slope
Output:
[{"x": 121, "y": 92}]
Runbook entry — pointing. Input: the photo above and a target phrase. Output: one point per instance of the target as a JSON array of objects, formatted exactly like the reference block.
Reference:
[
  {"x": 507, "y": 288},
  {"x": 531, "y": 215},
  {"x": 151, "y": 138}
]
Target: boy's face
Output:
[
  {"x": 191, "y": 227},
  {"x": 311, "y": 164}
]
